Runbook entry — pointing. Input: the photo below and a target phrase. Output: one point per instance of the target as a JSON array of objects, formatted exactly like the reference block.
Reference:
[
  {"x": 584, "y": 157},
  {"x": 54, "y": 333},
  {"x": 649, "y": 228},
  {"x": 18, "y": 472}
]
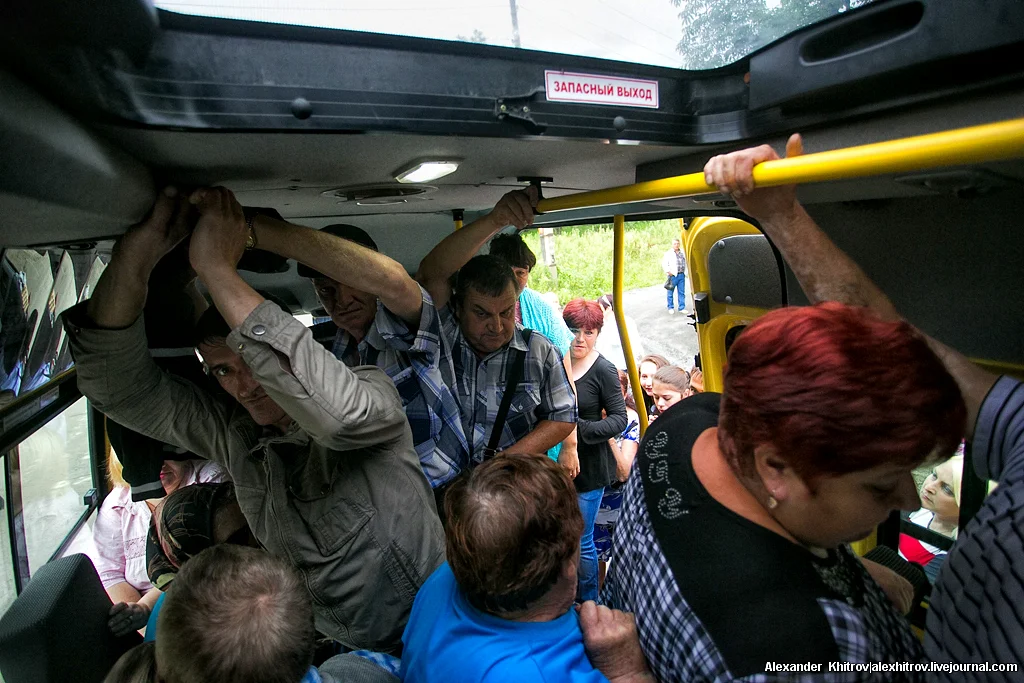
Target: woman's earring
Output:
[{"x": 772, "y": 503}]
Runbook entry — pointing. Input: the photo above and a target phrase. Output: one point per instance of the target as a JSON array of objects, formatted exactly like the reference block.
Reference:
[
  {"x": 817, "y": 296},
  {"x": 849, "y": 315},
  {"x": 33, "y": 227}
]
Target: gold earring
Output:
[{"x": 772, "y": 503}]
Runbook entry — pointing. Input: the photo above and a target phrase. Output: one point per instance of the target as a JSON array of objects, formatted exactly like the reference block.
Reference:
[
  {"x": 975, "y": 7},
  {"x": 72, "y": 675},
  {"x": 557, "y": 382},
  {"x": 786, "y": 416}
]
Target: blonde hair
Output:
[{"x": 115, "y": 477}]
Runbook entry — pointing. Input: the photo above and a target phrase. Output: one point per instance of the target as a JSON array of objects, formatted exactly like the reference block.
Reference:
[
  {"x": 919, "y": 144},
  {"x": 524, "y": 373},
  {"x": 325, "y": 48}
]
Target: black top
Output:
[{"x": 598, "y": 390}]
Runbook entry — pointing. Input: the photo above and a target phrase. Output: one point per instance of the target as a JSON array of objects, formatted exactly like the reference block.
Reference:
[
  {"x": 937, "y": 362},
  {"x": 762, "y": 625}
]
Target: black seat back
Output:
[{"x": 56, "y": 630}]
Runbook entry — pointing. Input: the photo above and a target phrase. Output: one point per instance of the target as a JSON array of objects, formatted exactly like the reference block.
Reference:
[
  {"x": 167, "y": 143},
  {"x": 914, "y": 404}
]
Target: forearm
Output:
[
  {"x": 544, "y": 436},
  {"x": 150, "y": 598},
  {"x": 343, "y": 261},
  {"x": 233, "y": 296},
  {"x": 451, "y": 253},
  {"x": 824, "y": 272},
  {"x": 120, "y": 294},
  {"x": 123, "y": 592},
  {"x": 596, "y": 431}
]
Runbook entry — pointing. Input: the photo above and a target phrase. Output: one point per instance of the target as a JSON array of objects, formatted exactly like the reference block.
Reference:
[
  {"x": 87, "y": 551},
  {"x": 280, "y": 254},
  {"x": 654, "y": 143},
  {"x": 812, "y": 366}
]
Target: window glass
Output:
[
  {"x": 7, "y": 589},
  {"x": 35, "y": 288},
  {"x": 55, "y": 476},
  {"x": 688, "y": 34}
]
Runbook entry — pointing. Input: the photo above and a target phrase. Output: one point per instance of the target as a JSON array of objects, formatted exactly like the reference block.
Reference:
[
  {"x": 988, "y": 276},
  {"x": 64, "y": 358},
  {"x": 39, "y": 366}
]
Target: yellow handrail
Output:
[
  {"x": 976, "y": 144},
  {"x": 618, "y": 275}
]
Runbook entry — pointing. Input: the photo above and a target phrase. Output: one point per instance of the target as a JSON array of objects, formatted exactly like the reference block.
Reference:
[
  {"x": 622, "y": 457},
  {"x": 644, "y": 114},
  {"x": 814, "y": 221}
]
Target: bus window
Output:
[
  {"x": 8, "y": 589},
  {"x": 56, "y": 475}
]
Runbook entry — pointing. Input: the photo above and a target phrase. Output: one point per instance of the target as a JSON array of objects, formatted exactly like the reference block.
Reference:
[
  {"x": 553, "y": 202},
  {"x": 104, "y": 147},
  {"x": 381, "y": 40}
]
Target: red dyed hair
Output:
[
  {"x": 583, "y": 314},
  {"x": 834, "y": 389}
]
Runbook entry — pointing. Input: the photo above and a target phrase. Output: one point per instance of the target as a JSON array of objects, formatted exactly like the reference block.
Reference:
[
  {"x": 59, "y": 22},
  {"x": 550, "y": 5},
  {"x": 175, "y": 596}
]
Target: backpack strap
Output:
[{"x": 513, "y": 375}]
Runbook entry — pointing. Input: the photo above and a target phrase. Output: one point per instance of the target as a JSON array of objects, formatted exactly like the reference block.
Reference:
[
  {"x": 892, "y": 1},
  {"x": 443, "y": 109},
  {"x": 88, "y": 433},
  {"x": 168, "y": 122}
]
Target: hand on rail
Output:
[
  {"x": 169, "y": 222},
  {"x": 733, "y": 174},
  {"x": 220, "y": 236},
  {"x": 516, "y": 208},
  {"x": 126, "y": 617}
]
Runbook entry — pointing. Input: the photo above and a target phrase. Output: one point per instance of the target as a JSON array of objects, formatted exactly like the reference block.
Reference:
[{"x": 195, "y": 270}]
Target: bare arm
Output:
[
  {"x": 612, "y": 644},
  {"x": 826, "y": 273},
  {"x": 345, "y": 262},
  {"x": 123, "y": 592},
  {"x": 544, "y": 436},
  {"x": 451, "y": 253}
]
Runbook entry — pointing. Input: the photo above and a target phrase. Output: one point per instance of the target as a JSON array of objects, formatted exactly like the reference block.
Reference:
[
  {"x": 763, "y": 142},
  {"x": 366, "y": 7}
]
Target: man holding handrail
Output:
[{"x": 977, "y": 607}]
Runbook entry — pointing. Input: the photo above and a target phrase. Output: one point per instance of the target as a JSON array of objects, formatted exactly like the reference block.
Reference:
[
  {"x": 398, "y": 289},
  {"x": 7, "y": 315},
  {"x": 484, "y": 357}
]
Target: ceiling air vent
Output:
[{"x": 378, "y": 195}]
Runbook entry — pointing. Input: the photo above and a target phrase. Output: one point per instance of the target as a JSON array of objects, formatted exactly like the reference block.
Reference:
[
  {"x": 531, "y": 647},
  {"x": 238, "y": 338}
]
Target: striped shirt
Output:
[{"x": 977, "y": 607}]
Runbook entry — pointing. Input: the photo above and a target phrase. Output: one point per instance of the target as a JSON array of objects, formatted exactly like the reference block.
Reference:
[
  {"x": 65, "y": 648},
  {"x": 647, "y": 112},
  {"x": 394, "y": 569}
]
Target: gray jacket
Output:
[{"x": 341, "y": 495}]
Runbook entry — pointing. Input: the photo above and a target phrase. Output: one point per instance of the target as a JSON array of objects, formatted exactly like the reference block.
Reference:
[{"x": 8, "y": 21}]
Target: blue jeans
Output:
[
  {"x": 590, "y": 503},
  {"x": 679, "y": 282}
]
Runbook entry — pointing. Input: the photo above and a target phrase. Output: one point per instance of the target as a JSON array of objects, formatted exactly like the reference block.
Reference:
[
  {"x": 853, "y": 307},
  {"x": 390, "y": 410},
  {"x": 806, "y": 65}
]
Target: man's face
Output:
[
  {"x": 488, "y": 322},
  {"x": 235, "y": 377},
  {"x": 351, "y": 309},
  {"x": 675, "y": 245},
  {"x": 522, "y": 278}
]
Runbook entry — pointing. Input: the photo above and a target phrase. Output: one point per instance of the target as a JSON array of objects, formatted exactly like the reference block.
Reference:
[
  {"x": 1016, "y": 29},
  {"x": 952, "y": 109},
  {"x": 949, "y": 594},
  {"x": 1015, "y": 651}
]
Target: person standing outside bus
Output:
[{"x": 673, "y": 263}]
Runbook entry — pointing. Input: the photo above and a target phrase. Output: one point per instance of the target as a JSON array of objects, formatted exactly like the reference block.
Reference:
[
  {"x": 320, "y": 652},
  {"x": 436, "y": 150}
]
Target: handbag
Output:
[{"x": 669, "y": 285}]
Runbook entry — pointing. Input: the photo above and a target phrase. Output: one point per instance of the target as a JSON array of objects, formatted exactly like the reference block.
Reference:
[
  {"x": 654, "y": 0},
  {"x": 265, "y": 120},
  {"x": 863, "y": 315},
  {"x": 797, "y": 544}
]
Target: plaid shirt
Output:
[
  {"x": 423, "y": 379},
  {"x": 675, "y": 642},
  {"x": 543, "y": 392}
]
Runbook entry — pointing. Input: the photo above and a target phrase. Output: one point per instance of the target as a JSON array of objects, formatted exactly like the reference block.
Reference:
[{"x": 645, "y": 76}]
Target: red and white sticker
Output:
[{"x": 563, "y": 86}]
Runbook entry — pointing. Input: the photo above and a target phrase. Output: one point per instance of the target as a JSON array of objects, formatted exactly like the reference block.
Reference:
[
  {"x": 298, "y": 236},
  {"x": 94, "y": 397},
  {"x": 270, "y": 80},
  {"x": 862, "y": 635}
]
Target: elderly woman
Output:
[
  {"x": 501, "y": 608},
  {"x": 602, "y": 416},
  {"x": 940, "y": 512},
  {"x": 735, "y": 522}
]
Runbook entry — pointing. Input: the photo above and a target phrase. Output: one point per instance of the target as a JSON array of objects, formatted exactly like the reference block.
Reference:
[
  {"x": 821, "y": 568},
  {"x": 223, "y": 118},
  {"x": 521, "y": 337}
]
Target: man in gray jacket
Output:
[{"x": 321, "y": 454}]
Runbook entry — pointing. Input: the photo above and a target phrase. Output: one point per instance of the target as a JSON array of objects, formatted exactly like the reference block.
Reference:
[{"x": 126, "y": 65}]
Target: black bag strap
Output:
[{"x": 513, "y": 374}]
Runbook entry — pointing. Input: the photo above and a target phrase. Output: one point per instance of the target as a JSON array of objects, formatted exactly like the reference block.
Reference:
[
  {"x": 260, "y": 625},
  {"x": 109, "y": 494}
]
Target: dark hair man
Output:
[
  {"x": 976, "y": 621},
  {"x": 321, "y": 455},
  {"x": 533, "y": 312},
  {"x": 502, "y": 608},
  {"x": 401, "y": 336},
  {"x": 487, "y": 346},
  {"x": 241, "y": 614}
]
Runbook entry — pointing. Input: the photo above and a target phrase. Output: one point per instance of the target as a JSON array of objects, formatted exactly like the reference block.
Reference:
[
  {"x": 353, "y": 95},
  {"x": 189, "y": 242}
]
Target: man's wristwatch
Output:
[{"x": 250, "y": 217}]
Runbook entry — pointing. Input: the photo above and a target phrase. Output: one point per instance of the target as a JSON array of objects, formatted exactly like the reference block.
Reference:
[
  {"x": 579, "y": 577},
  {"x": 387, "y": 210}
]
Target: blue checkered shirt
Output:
[
  {"x": 543, "y": 392},
  {"x": 675, "y": 642},
  {"x": 423, "y": 378}
]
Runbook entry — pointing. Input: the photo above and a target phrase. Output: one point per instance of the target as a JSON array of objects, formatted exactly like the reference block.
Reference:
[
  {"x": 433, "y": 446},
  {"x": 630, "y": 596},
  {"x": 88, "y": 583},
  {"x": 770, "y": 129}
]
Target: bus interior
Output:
[{"x": 103, "y": 103}]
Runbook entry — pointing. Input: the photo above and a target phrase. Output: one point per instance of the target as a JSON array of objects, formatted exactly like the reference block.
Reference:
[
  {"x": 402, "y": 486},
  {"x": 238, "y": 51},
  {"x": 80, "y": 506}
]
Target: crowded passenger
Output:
[
  {"x": 535, "y": 313},
  {"x": 940, "y": 512},
  {"x": 752, "y": 509},
  {"x": 649, "y": 365},
  {"x": 669, "y": 386},
  {"x": 122, "y": 525},
  {"x": 501, "y": 608},
  {"x": 350, "y": 277},
  {"x": 241, "y": 614},
  {"x": 321, "y": 455},
  {"x": 625, "y": 446},
  {"x": 975, "y": 619},
  {"x": 602, "y": 417},
  {"x": 490, "y": 351}
]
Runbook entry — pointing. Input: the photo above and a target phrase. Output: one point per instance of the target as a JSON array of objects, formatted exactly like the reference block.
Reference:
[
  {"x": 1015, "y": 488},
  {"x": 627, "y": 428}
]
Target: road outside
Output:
[{"x": 672, "y": 336}]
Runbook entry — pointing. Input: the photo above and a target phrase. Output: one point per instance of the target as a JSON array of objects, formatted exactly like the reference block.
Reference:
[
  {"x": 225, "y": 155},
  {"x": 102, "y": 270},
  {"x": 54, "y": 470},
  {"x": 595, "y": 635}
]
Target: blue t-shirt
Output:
[
  {"x": 151, "y": 624},
  {"x": 447, "y": 640}
]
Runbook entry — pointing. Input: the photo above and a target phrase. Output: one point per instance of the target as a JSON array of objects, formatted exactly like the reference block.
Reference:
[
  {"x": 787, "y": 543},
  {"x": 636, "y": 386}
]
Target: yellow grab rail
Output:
[
  {"x": 976, "y": 144},
  {"x": 618, "y": 275}
]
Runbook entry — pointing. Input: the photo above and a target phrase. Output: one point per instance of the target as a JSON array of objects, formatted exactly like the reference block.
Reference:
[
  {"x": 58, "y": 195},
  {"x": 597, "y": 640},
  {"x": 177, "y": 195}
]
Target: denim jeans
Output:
[
  {"x": 590, "y": 503},
  {"x": 680, "y": 286}
]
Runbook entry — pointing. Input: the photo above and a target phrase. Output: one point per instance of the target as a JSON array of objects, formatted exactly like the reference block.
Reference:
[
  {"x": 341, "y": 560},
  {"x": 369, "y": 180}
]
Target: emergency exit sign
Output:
[{"x": 565, "y": 86}]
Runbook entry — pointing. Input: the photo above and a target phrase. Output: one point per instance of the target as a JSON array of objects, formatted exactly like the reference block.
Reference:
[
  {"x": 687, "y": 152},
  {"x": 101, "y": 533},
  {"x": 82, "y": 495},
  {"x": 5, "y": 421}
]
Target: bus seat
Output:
[{"x": 56, "y": 630}]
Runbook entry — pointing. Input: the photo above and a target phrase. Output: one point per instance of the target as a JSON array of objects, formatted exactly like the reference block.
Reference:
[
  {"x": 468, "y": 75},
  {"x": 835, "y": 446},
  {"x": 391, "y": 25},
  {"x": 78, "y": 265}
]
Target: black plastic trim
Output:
[
  {"x": 15, "y": 523},
  {"x": 31, "y": 411},
  {"x": 973, "y": 489},
  {"x": 927, "y": 535}
]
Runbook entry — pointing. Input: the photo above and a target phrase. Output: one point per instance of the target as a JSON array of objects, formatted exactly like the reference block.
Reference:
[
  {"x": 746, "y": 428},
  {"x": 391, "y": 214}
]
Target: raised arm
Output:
[
  {"x": 825, "y": 273},
  {"x": 340, "y": 408},
  {"x": 451, "y": 253},
  {"x": 343, "y": 261}
]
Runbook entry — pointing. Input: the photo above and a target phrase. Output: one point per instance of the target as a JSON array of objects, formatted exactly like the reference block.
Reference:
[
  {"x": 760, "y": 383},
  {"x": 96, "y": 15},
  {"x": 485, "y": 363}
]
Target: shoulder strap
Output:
[{"x": 513, "y": 374}]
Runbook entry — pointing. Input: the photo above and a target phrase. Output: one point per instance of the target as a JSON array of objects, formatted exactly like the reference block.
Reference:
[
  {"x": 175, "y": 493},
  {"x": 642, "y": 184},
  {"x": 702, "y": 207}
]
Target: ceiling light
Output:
[{"x": 425, "y": 171}]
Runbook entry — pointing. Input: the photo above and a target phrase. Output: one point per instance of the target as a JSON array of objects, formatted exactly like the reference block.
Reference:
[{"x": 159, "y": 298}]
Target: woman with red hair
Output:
[
  {"x": 602, "y": 416},
  {"x": 735, "y": 523}
]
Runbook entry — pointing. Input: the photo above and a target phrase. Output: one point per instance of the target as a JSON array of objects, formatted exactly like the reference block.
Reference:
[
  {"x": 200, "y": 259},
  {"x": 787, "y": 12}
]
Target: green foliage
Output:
[
  {"x": 719, "y": 32},
  {"x": 583, "y": 257}
]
